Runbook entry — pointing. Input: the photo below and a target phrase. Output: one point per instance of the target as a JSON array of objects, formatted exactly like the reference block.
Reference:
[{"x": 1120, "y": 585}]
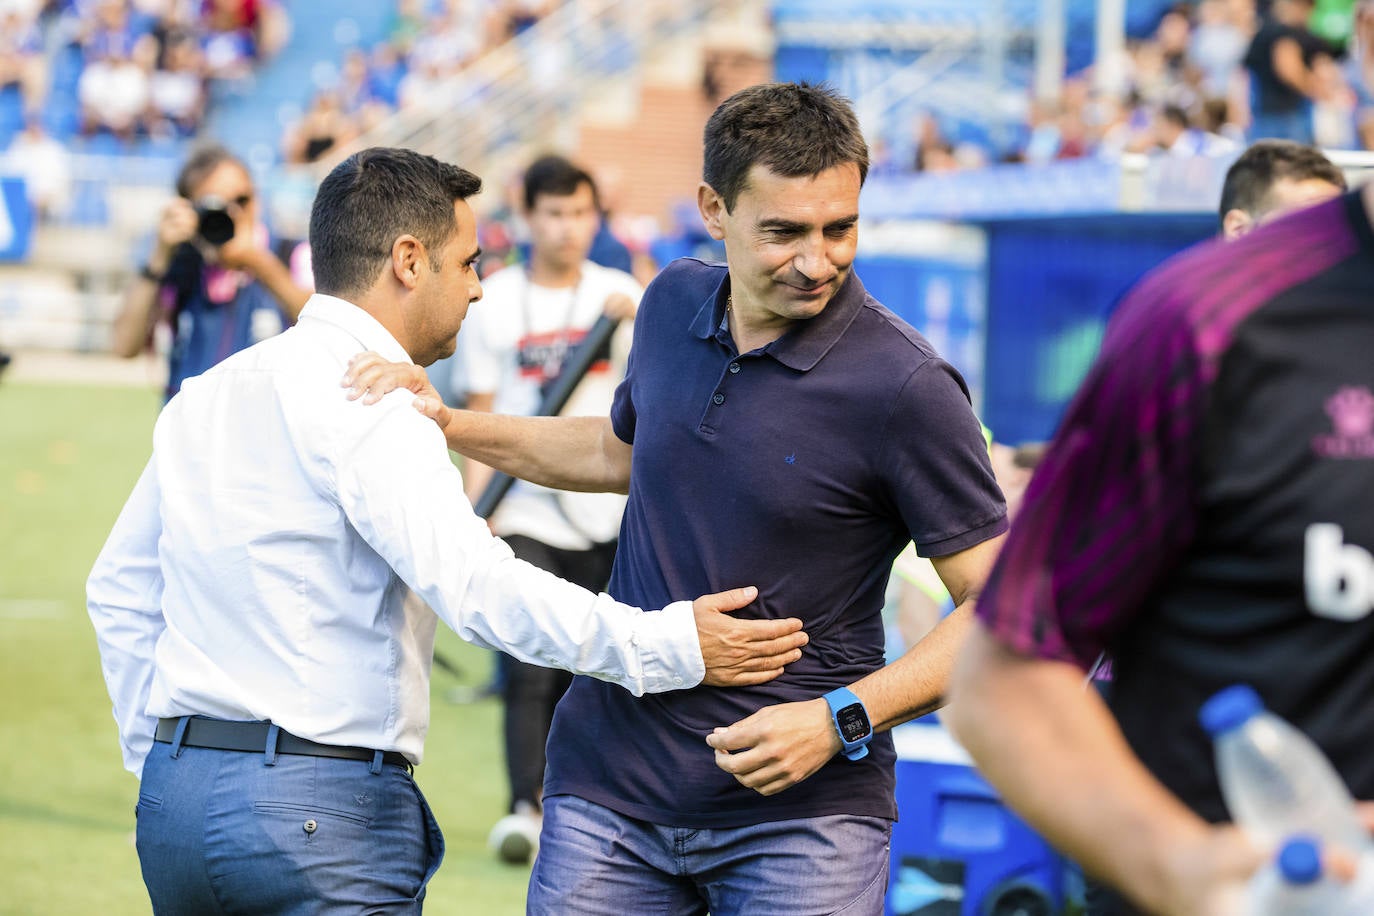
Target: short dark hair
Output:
[
  {"x": 792, "y": 129},
  {"x": 555, "y": 176},
  {"x": 372, "y": 198},
  {"x": 200, "y": 164},
  {"x": 1250, "y": 178}
]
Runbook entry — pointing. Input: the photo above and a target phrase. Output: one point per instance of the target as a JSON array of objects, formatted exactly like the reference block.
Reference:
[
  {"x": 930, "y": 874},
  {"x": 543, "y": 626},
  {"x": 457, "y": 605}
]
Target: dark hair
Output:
[
  {"x": 1250, "y": 178},
  {"x": 555, "y": 176},
  {"x": 792, "y": 129},
  {"x": 200, "y": 164},
  {"x": 372, "y": 198},
  {"x": 1175, "y": 115}
]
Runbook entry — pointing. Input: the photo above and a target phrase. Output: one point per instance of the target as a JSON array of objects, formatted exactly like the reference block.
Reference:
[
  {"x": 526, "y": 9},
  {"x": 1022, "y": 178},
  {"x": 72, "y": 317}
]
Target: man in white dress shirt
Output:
[{"x": 270, "y": 685}]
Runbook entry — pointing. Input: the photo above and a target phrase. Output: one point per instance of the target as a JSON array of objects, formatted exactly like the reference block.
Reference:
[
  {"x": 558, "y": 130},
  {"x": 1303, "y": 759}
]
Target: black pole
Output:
[{"x": 579, "y": 360}]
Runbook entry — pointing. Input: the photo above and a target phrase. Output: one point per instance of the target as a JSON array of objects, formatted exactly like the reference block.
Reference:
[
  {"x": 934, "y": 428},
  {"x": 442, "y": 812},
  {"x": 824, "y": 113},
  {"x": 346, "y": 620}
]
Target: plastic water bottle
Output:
[
  {"x": 1277, "y": 783},
  {"x": 1293, "y": 884}
]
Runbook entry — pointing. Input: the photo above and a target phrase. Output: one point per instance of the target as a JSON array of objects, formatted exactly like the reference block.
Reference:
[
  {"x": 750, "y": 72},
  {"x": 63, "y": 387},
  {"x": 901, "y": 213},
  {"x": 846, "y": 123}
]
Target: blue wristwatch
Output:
[{"x": 851, "y": 721}]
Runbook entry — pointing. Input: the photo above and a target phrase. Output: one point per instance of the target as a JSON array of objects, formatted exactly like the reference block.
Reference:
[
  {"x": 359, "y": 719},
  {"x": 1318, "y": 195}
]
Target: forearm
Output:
[
  {"x": 566, "y": 453},
  {"x": 1056, "y": 754},
  {"x": 275, "y": 275},
  {"x": 916, "y": 683},
  {"x": 138, "y": 310}
]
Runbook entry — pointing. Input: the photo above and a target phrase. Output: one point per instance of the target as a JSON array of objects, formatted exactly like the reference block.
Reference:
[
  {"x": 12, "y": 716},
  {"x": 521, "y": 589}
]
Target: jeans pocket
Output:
[{"x": 147, "y": 802}]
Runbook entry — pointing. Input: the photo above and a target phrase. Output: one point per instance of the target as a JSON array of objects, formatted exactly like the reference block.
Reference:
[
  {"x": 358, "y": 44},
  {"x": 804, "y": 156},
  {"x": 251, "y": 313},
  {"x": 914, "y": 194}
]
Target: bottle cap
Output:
[
  {"x": 1229, "y": 708},
  {"x": 1300, "y": 860}
]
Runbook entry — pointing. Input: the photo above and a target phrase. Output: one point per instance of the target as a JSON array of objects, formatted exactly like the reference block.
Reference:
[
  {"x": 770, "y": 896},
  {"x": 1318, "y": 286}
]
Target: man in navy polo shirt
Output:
[{"x": 786, "y": 429}]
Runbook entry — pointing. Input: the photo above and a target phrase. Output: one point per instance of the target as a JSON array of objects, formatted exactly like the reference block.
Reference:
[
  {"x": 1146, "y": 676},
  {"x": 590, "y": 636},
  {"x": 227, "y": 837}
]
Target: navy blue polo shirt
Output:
[{"x": 802, "y": 467}]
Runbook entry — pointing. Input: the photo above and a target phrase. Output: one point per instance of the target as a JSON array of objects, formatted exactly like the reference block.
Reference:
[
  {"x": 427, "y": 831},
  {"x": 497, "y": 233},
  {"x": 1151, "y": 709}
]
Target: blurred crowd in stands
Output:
[
  {"x": 1210, "y": 77},
  {"x": 127, "y": 68},
  {"x": 1213, "y": 76},
  {"x": 423, "y": 60}
]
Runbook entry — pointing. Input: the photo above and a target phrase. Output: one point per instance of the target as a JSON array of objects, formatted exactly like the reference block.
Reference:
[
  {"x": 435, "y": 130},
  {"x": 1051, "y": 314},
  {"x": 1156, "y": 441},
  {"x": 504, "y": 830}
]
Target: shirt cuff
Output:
[{"x": 669, "y": 650}]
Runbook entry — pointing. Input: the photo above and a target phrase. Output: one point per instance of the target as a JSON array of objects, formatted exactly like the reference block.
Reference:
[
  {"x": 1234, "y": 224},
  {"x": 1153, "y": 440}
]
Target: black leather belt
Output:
[{"x": 223, "y": 735}]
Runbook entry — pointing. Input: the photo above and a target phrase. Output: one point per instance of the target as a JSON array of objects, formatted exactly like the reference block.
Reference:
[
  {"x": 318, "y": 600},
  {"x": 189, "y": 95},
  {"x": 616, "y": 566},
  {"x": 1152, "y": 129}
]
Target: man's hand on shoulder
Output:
[
  {"x": 738, "y": 652},
  {"x": 778, "y": 746},
  {"x": 371, "y": 377}
]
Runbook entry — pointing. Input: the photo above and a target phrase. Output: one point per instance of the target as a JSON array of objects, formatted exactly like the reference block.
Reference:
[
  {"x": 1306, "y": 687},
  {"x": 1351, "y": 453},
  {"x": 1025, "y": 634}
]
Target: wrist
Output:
[{"x": 852, "y": 726}]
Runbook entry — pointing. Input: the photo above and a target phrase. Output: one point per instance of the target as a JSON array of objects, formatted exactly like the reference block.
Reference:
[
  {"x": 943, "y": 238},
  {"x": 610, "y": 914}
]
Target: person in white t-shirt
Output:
[{"x": 514, "y": 345}]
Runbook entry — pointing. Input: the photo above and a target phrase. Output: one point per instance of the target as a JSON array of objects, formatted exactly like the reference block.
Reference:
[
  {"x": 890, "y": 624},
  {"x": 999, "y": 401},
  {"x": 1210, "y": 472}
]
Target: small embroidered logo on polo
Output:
[
  {"x": 1352, "y": 418},
  {"x": 791, "y": 459},
  {"x": 362, "y": 799}
]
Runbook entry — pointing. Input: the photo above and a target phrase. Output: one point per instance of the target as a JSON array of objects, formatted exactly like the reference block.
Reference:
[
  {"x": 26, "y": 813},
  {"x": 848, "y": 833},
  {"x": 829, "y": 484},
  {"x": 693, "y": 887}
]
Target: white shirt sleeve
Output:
[
  {"x": 124, "y": 600},
  {"x": 403, "y": 495}
]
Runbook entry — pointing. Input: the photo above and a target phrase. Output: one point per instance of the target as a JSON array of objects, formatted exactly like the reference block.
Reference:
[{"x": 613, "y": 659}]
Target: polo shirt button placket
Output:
[
  {"x": 717, "y": 399},
  {"x": 734, "y": 368}
]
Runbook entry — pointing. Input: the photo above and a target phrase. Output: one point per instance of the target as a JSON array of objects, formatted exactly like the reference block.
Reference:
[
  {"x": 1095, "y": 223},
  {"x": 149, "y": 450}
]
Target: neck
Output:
[
  {"x": 542, "y": 273},
  {"x": 751, "y": 331}
]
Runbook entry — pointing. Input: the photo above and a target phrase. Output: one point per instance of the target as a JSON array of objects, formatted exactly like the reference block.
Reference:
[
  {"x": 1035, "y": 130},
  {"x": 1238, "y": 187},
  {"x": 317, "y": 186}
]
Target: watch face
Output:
[{"x": 853, "y": 723}]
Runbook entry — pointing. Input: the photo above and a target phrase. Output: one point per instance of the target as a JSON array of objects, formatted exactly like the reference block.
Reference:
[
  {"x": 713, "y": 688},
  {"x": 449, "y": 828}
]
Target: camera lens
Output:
[{"x": 214, "y": 224}]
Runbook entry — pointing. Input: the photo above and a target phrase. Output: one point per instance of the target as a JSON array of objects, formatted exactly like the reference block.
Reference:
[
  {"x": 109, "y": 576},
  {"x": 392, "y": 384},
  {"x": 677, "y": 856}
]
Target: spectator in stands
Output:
[
  {"x": 407, "y": 25},
  {"x": 1273, "y": 178},
  {"x": 115, "y": 89},
  {"x": 1176, "y": 135},
  {"x": 1283, "y": 60},
  {"x": 22, "y": 63},
  {"x": 177, "y": 89},
  {"x": 1359, "y": 73},
  {"x": 514, "y": 345},
  {"x": 239, "y": 33},
  {"x": 45, "y": 166},
  {"x": 323, "y": 127},
  {"x": 386, "y": 70},
  {"x": 211, "y": 276},
  {"x": 354, "y": 90},
  {"x": 1217, "y": 47}
]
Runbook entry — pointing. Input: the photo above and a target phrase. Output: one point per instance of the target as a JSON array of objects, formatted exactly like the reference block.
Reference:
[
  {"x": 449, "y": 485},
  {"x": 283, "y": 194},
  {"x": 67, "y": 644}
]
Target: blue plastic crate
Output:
[{"x": 957, "y": 850}]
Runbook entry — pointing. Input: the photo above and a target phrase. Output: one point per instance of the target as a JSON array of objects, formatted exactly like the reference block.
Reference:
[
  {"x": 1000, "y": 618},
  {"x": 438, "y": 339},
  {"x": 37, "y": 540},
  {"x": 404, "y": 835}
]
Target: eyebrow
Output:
[
  {"x": 474, "y": 256},
  {"x": 787, "y": 225}
]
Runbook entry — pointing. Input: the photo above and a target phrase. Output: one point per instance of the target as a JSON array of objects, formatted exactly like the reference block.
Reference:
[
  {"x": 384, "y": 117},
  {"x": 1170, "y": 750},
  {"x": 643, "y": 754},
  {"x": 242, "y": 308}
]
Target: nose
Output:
[{"x": 813, "y": 261}]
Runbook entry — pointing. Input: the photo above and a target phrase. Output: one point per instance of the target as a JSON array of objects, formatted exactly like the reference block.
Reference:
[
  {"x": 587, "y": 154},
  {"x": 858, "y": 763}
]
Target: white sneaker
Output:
[{"x": 515, "y": 838}]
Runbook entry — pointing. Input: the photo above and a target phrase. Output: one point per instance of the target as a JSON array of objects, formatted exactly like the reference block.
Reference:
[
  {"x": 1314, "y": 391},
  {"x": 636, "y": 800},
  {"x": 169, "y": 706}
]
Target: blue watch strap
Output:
[{"x": 844, "y": 700}]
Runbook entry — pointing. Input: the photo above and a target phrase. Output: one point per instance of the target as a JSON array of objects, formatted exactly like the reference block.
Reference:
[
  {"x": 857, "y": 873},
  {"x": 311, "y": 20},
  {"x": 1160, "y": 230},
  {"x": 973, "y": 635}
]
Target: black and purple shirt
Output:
[
  {"x": 802, "y": 467},
  {"x": 1206, "y": 511}
]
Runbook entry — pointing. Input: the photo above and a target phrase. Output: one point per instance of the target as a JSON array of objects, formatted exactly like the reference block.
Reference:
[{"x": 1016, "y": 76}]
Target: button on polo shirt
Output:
[{"x": 803, "y": 468}]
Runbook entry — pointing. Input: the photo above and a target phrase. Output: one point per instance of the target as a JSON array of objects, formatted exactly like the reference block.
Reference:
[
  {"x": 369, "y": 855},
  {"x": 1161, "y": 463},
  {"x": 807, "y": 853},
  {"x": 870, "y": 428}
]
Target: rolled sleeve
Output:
[{"x": 669, "y": 651}]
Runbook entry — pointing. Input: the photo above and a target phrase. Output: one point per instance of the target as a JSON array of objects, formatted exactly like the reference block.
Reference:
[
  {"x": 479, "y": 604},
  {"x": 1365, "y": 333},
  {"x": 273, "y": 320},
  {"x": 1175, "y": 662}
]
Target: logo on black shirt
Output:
[
  {"x": 1352, "y": 419},
  {"x": 1338, "y": 577}
]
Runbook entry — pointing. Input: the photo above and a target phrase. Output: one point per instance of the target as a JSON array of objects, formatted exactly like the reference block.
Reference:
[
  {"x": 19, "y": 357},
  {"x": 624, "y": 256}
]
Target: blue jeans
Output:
[
  {"x": 223, "y": 831},
  {"x": 595, "y": 861}
]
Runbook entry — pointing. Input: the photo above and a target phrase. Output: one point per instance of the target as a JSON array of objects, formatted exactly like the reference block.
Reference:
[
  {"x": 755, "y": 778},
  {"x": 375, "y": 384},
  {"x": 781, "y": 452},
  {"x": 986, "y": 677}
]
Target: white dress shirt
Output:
[{"x": 259, "y": 569}]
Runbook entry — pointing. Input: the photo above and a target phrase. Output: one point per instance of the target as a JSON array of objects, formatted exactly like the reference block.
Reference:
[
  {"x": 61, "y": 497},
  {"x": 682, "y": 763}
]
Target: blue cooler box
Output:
[{"x": 957, "y": 850}]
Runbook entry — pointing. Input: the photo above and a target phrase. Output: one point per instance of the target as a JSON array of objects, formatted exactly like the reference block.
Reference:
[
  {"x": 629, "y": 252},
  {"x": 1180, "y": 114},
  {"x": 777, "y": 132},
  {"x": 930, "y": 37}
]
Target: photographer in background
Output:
[{"x": 211, "y": 276}]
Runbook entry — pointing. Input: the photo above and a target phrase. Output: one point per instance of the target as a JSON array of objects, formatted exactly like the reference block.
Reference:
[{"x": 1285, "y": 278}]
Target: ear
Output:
[
  {"x": 1235, "y": 224},
  {"x": 713, "y": 212},
  {"x": 406, "y": 253}
]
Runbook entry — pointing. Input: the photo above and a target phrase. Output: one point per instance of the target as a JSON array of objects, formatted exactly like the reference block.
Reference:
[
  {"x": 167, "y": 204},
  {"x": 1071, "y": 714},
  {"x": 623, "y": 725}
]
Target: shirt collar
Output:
[
  {"x": 368, "y": 331},
  {"x": 806, "y": 342}
]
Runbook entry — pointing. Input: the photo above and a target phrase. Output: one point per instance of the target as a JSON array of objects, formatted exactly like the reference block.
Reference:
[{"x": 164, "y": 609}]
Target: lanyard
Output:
[{"x": 552, "y": 362}]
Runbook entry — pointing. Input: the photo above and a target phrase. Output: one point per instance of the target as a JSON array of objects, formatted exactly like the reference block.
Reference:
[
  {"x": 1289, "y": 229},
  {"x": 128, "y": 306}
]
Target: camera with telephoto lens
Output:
[{"x": 213, "y": 222}]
